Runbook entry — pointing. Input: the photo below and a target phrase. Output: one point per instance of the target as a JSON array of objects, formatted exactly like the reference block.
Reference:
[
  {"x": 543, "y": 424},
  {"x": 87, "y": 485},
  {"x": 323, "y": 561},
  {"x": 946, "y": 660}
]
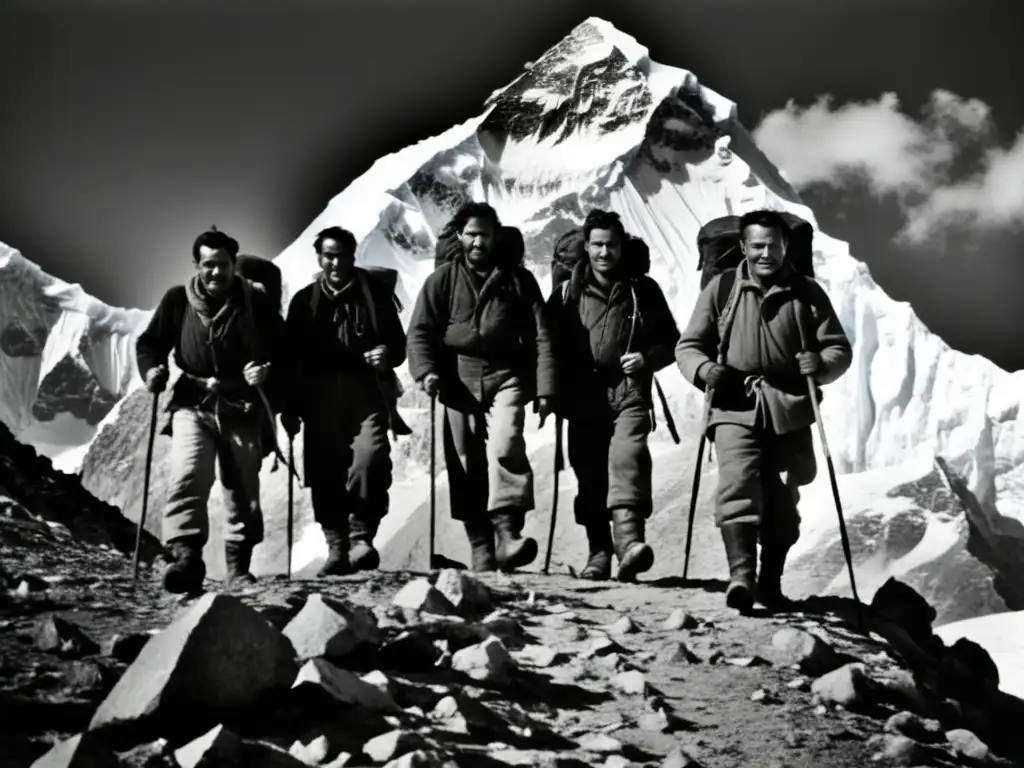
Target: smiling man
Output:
[
  {"x": 224, "y": 345},
  {"x": 344, "y": 333},
  {"x": 613, "y": 332},
  {"x": 761, "y": 413}
]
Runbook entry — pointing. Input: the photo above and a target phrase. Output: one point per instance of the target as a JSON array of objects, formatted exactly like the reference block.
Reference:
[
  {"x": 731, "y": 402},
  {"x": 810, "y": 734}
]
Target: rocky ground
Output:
[{"x": 405, "y": 669}]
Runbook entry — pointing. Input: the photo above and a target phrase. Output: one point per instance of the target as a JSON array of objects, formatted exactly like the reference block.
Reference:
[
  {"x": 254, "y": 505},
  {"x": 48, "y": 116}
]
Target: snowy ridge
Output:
[{"x": 65, "y": 357}]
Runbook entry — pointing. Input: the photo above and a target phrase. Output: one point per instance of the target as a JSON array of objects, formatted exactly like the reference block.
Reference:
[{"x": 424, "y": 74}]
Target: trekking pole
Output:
[
  {"x": 145, "y": 487},
  {"x": 559, "y": 466},
  {"x": 291, "y": 500},
  {"x": 433, "y": 473},
  {"x": 813, "y": 392},
  {"x": 696, "y": 482}
]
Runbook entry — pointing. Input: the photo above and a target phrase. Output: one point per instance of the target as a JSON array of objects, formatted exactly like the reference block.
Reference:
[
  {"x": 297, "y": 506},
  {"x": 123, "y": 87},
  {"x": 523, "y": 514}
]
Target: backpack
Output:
[
  {"x": 718, "y": 242},
  {"x": 264, "y": 272}
]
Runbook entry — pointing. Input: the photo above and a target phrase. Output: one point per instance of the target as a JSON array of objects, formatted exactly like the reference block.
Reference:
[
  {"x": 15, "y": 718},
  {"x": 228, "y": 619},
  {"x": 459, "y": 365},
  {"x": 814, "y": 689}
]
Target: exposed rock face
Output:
[{"x": 29, "y": 481}]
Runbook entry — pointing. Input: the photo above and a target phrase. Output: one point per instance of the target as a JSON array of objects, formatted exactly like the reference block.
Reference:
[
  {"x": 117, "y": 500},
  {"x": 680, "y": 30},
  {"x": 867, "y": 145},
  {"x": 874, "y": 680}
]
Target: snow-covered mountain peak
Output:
[{"x": 65, "y": 357}]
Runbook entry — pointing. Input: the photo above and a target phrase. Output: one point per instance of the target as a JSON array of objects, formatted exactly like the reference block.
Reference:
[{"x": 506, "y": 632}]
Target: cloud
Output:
[{"x": 919, "y": 161}]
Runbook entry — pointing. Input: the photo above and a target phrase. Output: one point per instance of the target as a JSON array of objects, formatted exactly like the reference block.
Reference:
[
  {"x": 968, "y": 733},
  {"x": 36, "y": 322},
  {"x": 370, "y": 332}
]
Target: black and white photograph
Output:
[{"x": 511, "y": 383}]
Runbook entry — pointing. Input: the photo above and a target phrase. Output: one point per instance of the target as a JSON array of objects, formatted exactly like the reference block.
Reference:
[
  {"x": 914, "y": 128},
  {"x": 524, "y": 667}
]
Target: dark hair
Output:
[
  {"x": 598, "y": 219},
  {"x": 474, "y": 210},
  {"x": 342, "y": 235},
  {"x": 767, "y": 219},
  {"x": 214, "y": 238}
]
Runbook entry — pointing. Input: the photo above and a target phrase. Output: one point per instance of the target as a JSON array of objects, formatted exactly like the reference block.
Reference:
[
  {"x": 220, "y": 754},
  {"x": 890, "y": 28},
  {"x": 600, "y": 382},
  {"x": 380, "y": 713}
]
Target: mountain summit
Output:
[{"x": 930, "y": 442}]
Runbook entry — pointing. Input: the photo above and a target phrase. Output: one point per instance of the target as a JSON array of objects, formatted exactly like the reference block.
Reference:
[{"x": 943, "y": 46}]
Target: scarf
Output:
[
  {"x": 215, "y": 321},
  {"x": 348, "y": 316}
]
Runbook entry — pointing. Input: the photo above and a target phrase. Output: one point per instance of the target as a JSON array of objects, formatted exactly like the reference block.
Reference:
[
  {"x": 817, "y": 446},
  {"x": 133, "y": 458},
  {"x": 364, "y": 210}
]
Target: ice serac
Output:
[
  {"x": 594, "y": 122},
  {"x": 65, "y": 357}
]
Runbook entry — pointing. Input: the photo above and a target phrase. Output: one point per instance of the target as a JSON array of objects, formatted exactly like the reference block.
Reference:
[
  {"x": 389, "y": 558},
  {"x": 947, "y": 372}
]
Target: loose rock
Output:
[
  {"x": 846, "y": 686},
  {"x": 218, "y": 746},
  {"x": 331, "y": 628},
  {"x": 216, "y": 658},
  {"x": 421, "y": 595},
  {"x": 84, "y": 749},
  {"x": 58, "y": 635},
  {"x": 967, "y": 744},
  {"x": 488, "y": 661},
  {"x": 915, "y": 727},
  {"x": 344, "y": 686},
  {"x": 680, "y": 619},
  {"x": 466, "y": 594},
  {"x": 812, "y": 655}
]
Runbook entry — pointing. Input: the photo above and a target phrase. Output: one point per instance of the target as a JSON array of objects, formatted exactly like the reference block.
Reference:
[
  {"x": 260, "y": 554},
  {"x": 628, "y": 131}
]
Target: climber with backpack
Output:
[
  {"x": 228, "y": 343},
  {"x": 345, "y": 338},
  {"x": 613, "y": 331},
  {"x": 760, "y": 327},
  {"x": 479, "y": 343}
]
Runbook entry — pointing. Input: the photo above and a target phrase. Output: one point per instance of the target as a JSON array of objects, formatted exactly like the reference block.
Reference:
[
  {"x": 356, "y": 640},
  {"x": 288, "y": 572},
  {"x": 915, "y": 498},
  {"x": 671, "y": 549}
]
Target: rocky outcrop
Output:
[{"x": 28, "y": 482}]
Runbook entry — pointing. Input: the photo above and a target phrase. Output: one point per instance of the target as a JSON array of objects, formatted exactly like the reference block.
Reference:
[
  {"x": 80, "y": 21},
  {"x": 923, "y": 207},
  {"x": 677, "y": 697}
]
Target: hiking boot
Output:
[
  {"x": 361, "y": 554},
  {"x": 599, "y": 562},
  {"x": 337, "y": 553},
  {"x": 512, "y": 550},
  {"x": 237, "y": 559},
  {"x": 769, "y": 580},
  {"x": 481, "y": 540},
  {"x": 635, "y": 556},
  {"x": 740, "y": 541},
  {"x": 185, "y": 574}
]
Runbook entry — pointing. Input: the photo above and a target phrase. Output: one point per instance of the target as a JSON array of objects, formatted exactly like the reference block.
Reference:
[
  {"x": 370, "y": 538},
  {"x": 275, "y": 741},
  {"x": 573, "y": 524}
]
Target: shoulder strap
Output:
[
  {"x": 724, "y": 286},
  {"x": 250, "y": 317},
  {"x": 314, "y": 298}
]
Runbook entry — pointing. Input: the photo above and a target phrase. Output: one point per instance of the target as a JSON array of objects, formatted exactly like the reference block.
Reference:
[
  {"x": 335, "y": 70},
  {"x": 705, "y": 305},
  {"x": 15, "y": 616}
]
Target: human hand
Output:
[
  {"x": 431, "y": 384},
  {"x": 255, "y": 375},
  {"x": 156, "y": 379},
  {"x": 717, "y": 375},
  {"x": 377, "y": 358},
  {"x": 809, "y": 362},
  {"x": 632, "y": 362},
  {"x": 544, "y": 407}
]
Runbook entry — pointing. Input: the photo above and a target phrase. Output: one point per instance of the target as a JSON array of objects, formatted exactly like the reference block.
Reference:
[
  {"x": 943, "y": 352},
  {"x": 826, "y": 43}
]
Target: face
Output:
[
  {"x": 478, "y": 240},
  {"x": 216, "y": 269},
  {"x": 604, "y": 247},
  {"x": 337, "y": 262},
  {"x": 764, "y": 250}
]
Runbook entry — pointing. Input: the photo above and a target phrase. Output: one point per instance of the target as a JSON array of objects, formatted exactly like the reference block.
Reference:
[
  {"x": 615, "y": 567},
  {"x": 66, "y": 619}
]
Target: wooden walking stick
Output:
[{"x": 145, "y": 487}]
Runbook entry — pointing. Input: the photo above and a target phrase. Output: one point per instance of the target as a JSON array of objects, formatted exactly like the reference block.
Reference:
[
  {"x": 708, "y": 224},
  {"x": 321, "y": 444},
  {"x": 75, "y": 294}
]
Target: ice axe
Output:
[
  {"x": 291, "y": 500},
  {"x": 145, "y": 487},
  {"x": 812, "y": 389},
  {"x": 696, "y": 481}
]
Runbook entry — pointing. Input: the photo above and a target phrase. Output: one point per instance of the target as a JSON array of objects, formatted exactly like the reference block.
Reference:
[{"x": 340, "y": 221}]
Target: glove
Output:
[
  {"x": 431, "y": 384},
  {"x": 291, "y": 423},
  {"x": 718, "y": 376},
  {"x": 156, "y": 379}
]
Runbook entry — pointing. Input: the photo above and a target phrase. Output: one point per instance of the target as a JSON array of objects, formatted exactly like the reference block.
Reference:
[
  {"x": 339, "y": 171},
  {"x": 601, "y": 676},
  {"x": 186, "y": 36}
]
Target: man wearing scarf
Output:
[
  {"x": 762, "y": 413},
  {"x": 614, "y": 331},
  {"x": 479, "y": 341},
  {"x": 345, "y": 338},
  {"x": 225, "y": 345}
]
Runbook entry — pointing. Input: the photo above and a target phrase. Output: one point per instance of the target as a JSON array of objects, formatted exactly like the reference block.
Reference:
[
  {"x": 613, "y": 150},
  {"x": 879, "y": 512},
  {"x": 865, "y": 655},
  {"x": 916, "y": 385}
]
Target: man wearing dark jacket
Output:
[
  {"x": 762, "y": 413},
  {"x": 344, "y": 335},
  {"x": 478, "y": 340},
  {"x": 225, "y": 337},
  {"x": 613, "y": 331}
]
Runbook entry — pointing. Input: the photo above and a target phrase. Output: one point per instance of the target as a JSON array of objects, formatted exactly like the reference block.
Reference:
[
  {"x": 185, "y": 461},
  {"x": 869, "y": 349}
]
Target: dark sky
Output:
[{"x": 127, "y": 127}]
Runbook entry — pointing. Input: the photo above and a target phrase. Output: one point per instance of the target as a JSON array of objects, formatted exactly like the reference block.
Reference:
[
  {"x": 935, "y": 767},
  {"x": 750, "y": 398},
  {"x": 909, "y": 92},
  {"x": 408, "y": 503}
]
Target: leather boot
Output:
[
  {"x": 481, "y": 540},
  {"x": 740, "y": 541},
  {"x": 599, "y": 561},
  {"x": 635, "y": 556},
  {"x": 361, "y": 554},
  {"x": 184, "y": 576},
  {"x": 337, "y": 552},
  {"x": 769, "y": 581},
  {"x": 237, "y": 559},
  {"x": 512, "y": 550}
]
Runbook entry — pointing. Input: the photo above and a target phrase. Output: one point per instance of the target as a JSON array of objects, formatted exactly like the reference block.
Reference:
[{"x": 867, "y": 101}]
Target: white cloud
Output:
[{"x": 874, "y": 143}]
